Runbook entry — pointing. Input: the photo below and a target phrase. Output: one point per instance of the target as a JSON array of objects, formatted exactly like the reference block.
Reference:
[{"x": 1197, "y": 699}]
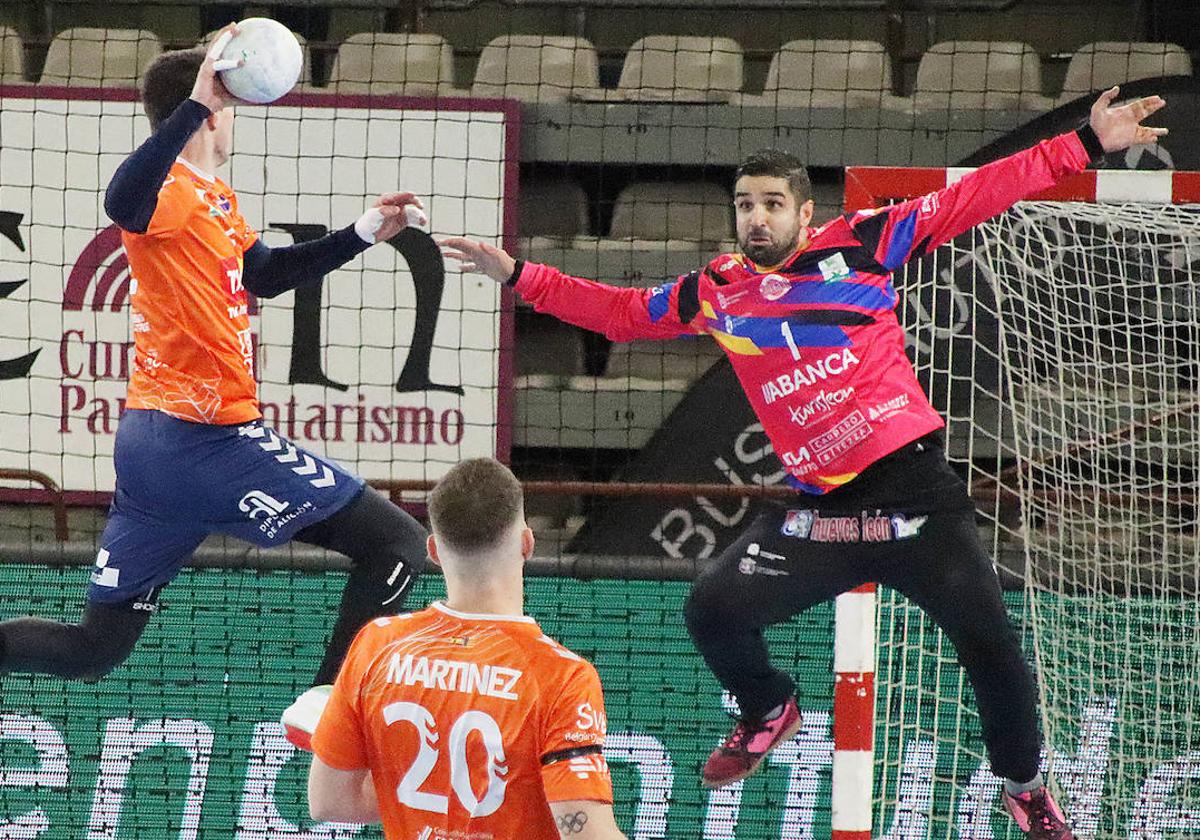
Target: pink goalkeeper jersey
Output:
[{"x": 815, "y": 342}]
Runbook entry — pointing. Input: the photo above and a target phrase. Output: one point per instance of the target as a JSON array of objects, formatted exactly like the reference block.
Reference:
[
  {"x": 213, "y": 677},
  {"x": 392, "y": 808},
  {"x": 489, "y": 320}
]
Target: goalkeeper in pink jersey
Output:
[{"x": 807, "y": 318}]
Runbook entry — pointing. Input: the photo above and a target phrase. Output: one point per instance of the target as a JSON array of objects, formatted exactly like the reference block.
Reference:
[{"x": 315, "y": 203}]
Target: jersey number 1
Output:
[{"x": 409, "y": 790}]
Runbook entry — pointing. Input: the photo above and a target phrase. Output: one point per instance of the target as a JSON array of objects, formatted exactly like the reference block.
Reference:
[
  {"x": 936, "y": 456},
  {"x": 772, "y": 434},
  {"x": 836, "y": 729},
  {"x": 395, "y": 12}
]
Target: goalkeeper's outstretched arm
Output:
[{"x": 621, "y": 314}]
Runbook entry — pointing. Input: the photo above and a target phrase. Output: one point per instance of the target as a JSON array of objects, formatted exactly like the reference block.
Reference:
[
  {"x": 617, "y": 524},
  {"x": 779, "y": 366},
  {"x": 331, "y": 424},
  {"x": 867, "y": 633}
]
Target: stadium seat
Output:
[
  {"x": 697, "y": 213},
  {"x": 93, "y": 57},
  {"x": 394, "y": 63},
  {"x": 683, "y": 360},
  {"x": 826, "y": 74},
  {"x": 1103, "y": 64},
  {"x": 12, "y": 57},
  {"x": 681, "y": 68},
  {"x": 536, "y": 68},
  {"x": 552, "y": 212},
  {"x": 989, "y": 75},
  {"x": 547, "y": 351}
]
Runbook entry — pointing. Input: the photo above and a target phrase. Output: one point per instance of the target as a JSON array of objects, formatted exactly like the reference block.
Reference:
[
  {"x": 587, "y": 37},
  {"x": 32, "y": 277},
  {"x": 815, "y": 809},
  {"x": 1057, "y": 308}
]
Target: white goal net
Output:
[{"x": 1062, "y": 340}]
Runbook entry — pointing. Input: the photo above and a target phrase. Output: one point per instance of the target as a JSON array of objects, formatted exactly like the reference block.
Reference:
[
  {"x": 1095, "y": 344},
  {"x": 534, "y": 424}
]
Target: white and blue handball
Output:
[{"x": 261, "y": 62}]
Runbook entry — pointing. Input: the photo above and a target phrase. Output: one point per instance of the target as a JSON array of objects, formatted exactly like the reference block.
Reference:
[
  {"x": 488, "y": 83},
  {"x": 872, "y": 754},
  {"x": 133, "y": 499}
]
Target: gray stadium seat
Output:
[
  {"x": 827, "y": 74},
  {"x": 394, "y": 63},
  {"x": 89, "y": 56},
  {"x": 553, "y": 211},
  {"x": 681, "y": 68},
  {"x": 1103, "y": 64},
  {"x": 694, "y": 213},
  {"x": 536, "y": 68},
  {"x": 12, "y": 57},
  {"x": 972, "y": 75}
]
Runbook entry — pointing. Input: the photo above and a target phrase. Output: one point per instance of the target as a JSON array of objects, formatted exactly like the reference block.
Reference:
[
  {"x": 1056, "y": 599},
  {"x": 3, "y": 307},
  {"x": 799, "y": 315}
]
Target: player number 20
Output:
[{"x": 409, "y": 790}]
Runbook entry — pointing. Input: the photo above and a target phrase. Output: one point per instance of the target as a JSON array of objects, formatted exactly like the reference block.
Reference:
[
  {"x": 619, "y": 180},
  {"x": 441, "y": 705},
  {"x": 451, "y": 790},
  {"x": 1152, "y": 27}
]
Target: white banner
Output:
[{"x": 387, "y": 366}]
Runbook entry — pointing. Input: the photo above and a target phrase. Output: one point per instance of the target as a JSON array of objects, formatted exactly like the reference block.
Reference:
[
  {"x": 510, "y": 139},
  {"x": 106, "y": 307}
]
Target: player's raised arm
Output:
[
  {"x": 585, "y": 819},
  {"x": 913, "y": 228},
  {"x": 667, "y": 311},
  {"x": 132, "y": 196}
]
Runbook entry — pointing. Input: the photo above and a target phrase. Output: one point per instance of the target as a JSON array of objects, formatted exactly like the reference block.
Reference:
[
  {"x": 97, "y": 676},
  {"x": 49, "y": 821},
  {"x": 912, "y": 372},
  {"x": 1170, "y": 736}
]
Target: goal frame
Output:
[{"x": 855, "y": 645}]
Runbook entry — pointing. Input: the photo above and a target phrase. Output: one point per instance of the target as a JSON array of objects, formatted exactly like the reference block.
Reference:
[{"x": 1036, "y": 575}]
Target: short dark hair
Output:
[
  {"x": 474, "y": 504},
  {"x": 777, "y": 163},
  {"x": 168, "y": 81}
]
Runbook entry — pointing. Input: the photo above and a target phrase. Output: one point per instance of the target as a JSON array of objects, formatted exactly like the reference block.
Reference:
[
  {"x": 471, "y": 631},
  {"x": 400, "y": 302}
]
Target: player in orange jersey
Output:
[
  {"x": 465, "y": 719},
  {"x": 192, "y": 455}
]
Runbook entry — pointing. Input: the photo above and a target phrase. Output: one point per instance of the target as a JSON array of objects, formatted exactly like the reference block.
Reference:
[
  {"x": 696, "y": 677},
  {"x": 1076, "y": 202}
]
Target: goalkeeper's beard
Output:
[{"x": 775, "y": 252}]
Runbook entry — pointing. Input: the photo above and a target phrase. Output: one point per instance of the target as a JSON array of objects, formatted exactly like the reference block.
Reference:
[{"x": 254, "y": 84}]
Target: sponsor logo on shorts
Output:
[
  {"x": 274, "y": 517},
  {"x": 886, "y": 409},
  {"x": 104, "y": 574},
  {"x": 257, "y": 501},
  {"x": 866, "y": 527},
  {"x": 751, "y": 563}
]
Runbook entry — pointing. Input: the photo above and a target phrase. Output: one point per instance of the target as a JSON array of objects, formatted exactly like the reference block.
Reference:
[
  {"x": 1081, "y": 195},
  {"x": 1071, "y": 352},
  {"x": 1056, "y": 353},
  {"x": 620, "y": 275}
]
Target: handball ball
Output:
[{"x": 271, "y": 58}]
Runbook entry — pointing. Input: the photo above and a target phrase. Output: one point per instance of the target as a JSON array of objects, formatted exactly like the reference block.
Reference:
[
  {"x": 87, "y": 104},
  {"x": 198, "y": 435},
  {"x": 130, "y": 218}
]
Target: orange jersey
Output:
[
  {"x": 194, "y": 355},
  {"x": 470, "y": 725}
]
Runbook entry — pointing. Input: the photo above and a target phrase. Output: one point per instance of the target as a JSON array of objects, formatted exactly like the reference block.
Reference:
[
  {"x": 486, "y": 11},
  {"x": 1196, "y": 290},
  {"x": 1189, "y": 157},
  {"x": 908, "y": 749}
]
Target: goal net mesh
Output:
[{"x": 1061, "y": 340}]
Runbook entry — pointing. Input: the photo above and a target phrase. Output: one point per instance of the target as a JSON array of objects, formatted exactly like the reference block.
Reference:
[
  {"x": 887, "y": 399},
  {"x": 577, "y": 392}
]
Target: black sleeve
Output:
[
  {"x": 267, "y": 272},
  {"x": 1091, "y": 142},
  {"x": 132, "y": 194}
]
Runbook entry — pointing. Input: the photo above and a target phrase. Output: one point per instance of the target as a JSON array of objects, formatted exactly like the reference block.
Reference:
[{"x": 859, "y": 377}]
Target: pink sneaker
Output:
[
  {"x": 748, "y": 745},
  {"x": 1038, "y": 815}
]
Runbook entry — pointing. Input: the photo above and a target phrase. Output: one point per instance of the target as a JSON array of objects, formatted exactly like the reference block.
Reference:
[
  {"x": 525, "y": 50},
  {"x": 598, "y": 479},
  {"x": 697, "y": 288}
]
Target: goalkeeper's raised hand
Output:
[
  {"x": 479, "y": 257},
  {"x": 1119, "y": 128}
]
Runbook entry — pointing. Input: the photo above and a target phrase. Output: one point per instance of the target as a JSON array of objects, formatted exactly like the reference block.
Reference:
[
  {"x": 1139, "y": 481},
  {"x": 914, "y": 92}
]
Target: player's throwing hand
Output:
[
  {"x": 479, "y": 257},
  {"x": 1119, "y": 128},
  {"x": 209, "y": 90}
]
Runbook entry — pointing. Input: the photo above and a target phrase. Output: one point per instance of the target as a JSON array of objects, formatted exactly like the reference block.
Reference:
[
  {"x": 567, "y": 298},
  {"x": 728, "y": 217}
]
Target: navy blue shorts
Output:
[{"x": 178, "y": 482}]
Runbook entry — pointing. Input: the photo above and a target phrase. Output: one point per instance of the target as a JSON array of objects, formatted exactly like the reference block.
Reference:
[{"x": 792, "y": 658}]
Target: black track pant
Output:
[
  {"x": 387, "y": 550},
  {"x": 907, "y": 524}
]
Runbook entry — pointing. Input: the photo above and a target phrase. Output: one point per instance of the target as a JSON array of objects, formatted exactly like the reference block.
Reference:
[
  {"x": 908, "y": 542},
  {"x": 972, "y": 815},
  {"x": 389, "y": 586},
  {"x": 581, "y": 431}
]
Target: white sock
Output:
[
  {"x": 774, "y": 713},
  {"x": 1017, "y": 788}
]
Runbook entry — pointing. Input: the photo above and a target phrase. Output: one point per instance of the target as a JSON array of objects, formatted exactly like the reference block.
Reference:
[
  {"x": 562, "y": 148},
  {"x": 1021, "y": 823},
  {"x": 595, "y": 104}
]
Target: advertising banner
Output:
[
  {"x": 182, "y": 740},
  {"x": 387, "y": 365}
]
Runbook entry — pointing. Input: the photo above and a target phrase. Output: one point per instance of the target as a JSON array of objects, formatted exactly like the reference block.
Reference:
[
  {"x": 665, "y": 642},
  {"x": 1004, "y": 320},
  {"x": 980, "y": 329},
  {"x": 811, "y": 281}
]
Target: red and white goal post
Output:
[{"x": 1061, "y": 341}]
